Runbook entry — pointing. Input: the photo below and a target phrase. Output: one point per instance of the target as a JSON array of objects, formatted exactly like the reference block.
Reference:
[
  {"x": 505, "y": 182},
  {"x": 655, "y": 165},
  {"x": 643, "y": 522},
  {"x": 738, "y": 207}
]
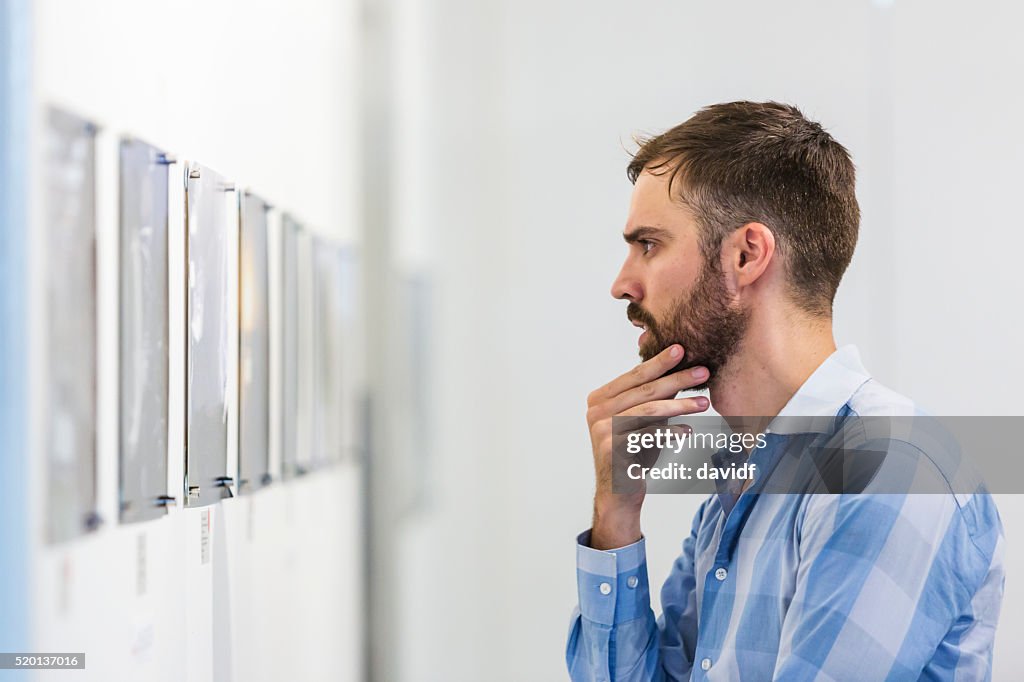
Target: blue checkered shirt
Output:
[{"x": 855, "y": 587}]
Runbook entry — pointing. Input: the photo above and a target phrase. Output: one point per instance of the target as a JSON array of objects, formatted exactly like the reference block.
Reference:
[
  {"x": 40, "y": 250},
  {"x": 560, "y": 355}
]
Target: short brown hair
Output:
[{"x": 743, "y": 162}]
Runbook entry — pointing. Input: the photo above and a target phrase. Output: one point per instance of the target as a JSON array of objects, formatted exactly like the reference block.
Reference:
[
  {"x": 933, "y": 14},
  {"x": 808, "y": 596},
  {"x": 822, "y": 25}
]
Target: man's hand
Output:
[{"x": 640, "y": 392}]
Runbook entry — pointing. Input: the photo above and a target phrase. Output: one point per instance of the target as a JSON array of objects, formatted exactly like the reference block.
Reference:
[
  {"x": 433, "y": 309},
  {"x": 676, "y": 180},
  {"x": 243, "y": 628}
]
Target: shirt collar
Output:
[{"x": 821, "y": 397}]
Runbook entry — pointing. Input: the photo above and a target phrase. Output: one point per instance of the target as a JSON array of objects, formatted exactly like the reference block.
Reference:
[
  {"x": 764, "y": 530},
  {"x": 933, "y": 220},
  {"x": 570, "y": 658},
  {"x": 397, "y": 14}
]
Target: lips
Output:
[{"x": 640, "y": 325}]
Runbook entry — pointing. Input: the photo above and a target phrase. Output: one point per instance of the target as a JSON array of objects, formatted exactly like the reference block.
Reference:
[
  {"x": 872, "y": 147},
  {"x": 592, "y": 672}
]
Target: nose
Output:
[{"x": 627, "y": 287}]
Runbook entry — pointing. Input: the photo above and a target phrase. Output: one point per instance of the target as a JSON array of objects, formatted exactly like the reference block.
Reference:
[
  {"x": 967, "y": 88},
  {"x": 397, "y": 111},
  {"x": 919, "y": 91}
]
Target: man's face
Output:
[{"x": 674, "y": 293}]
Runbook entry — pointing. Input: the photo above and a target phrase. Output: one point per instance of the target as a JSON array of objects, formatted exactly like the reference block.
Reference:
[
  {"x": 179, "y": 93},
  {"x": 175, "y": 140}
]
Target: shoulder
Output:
[
  {"x": 873, "y": 398},
  {"x": 925, "y": 481}
]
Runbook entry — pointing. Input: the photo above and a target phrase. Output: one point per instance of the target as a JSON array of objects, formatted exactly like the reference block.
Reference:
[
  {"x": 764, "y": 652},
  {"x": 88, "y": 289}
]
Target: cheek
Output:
[{"x": 671, "y": 280}]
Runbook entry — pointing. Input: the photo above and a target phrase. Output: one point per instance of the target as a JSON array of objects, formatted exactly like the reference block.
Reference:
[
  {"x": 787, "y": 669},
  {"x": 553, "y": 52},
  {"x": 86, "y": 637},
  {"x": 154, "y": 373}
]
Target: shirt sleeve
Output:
[
  {"x": 613, "y": 634},
  {"x": 884, "y": 582}
]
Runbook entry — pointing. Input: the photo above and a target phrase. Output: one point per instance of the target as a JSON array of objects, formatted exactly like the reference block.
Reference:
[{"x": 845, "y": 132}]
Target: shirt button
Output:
[
  {"x": 705, "y": 664},
  {"x": 632, "y": 581},
  {"x": 605, "y": 588},
  {"x": 721, "y": 573}
]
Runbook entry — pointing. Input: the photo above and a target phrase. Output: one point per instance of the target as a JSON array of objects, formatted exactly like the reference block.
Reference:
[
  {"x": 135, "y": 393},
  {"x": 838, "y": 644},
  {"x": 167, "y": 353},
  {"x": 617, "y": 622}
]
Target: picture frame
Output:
[{"x": 143, "y": 336}]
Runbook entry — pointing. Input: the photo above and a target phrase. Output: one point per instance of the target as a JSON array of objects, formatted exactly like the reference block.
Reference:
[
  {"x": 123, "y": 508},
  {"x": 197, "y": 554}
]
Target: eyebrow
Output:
[{"x": 646, "y": 232}]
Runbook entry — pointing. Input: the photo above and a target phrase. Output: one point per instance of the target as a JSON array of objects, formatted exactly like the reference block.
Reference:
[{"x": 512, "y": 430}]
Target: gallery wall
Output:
[{"x": 265, "y": 583}]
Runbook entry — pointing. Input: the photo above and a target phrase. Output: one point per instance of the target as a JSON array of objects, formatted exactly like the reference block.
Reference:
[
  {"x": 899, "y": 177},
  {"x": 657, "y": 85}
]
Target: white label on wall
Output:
[
  {"x": 249, "y": 521},
  {"x": 64, "y": 586},
  {"x": 204, "y": 537},
  {"x": 140, "y": 565}
]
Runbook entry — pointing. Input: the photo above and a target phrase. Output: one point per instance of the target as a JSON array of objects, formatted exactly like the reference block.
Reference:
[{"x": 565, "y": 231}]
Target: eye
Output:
[{"x": 646, "y": 245}]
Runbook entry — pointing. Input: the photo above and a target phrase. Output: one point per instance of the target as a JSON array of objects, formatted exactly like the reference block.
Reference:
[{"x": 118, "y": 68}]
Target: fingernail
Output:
[
  {"x": 700, "y": 372},
  {"x": 702, "y": 402},
  {"x": 676, "y": 351}
]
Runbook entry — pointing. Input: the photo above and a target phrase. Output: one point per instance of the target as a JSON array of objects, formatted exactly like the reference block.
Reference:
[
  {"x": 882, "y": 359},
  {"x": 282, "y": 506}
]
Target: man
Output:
[{"x": 742, "y": 222}]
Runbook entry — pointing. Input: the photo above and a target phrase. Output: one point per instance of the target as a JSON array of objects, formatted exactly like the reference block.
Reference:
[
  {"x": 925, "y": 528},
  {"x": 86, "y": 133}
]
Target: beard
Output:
[{"x": 705, "y": 323}]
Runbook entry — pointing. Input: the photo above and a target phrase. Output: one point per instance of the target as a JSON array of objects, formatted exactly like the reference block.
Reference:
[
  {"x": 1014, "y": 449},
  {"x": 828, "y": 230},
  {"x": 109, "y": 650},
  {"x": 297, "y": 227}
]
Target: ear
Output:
[{"x": 747, "y": 253}]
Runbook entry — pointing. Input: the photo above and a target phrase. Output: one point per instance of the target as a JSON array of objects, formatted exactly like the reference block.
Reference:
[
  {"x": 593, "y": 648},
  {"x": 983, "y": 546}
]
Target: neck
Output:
[{"x": 776, "y": 356}]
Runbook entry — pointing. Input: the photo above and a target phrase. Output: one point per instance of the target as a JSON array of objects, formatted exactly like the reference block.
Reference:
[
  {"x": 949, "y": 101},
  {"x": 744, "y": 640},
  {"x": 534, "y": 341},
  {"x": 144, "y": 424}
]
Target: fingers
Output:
[
  {"x": 661, "y": 408},
  {"x": 641, "y": 374},
  {"x": 665, "y": 387}
]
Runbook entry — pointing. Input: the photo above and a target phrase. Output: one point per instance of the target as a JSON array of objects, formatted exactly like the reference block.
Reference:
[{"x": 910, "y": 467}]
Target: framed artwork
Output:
[
  {"x": 70, "y": 347},
  {"x": 211, "y": 232},
  {"x": 290, "y": 230},
  {"x": 328, "y": 356},
  {"x": 306, "y": 331},
  {"x": 143, "y": 337},
  {"x": 253, "y": 345}
]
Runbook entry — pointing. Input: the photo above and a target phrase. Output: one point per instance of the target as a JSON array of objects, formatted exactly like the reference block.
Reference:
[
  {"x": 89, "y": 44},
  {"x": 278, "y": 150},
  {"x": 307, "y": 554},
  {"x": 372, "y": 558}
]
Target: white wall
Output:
[
  {"x": 530, "y": 105},
  {"x": 265, "y": 93}
]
